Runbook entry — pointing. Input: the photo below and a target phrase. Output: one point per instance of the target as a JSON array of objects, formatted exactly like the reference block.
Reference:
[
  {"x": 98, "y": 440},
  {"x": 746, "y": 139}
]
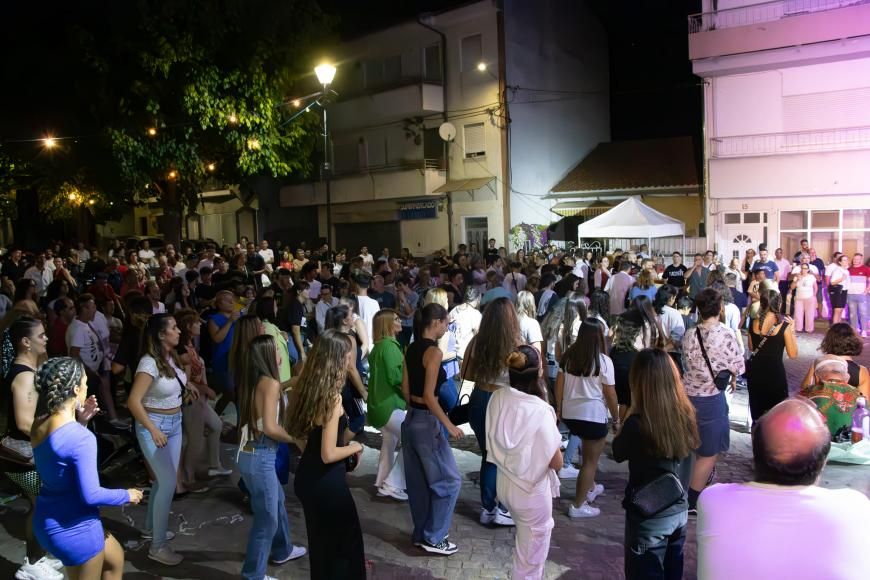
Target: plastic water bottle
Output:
[{"x": 860, "y": 421}]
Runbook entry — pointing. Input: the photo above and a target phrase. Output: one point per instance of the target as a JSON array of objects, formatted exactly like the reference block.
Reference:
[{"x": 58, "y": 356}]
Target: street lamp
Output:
[{"x": 325, "y": 74}]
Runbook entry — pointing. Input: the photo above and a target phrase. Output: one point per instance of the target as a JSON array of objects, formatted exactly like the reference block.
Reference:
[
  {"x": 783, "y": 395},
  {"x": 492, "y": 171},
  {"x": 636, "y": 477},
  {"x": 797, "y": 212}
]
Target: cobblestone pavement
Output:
[{"x": 212, "y": 528}]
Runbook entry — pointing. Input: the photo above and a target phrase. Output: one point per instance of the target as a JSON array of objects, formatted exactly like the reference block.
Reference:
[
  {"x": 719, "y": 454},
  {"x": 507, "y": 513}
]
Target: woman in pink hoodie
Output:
[{"x": 522, "y": 440}]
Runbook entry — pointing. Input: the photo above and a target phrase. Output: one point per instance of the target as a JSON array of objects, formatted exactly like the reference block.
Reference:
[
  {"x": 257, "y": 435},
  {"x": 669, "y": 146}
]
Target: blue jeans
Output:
[
  {"x": 270, "y": 532},
  {"x": 163, "y": 462},
  {"x": 478, "y": 403},
  {"x": 654, "y": 546},
  {"x": 858, "y": 317},
  {"x": 448, "y": 396},
  {"x": 431, "y": 476},
  {"x": 282, "y": 467}
]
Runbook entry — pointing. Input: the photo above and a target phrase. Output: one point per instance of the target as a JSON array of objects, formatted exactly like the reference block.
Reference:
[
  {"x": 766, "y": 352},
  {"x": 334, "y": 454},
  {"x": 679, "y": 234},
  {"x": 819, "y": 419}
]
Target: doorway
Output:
[{"x": 476, "y": 231}]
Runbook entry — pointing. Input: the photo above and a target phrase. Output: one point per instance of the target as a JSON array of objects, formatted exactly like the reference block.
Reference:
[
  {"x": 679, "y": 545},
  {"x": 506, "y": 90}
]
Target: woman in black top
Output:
[
  {"x": 431, "y": 475},
  {"x": 657, "y": 437},
  {"x": 316, "y": 417}
]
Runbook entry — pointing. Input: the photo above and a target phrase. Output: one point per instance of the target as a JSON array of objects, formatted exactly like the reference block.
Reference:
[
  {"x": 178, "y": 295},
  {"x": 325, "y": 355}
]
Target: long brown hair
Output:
[
  {"x": 319, "y": 384},
  {"x": 247, "y": 328},
  {"x": 497, "y": 337},
  {"x": 583, "y": 358},
  {"x": 152, "y": 344},
  {"x": 667, "y": 417},
  {"x": 260, "y": 361}
]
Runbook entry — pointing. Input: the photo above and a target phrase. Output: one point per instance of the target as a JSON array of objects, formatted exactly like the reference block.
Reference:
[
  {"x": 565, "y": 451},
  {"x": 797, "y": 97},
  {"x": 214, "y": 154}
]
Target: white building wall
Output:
[{"x": 559, "y": 50}]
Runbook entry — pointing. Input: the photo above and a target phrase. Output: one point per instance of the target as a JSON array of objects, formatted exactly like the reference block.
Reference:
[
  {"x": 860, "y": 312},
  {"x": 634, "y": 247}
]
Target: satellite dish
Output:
[{"x": 447, "y": 131}]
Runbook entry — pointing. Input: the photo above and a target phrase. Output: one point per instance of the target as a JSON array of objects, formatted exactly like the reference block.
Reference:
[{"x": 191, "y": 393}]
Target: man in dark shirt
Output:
[
  {"x": 14, "y": 267},
  {"x": 205, "y": 290},
  {"x": 455, "y": 287},
  {"x": 326, "y": 278},
  {"x": 379, "y": 293},
  {"x": 94, "y": 264},
  {"x": 675, "y": 274},
  {"x": 256, "y": 265},
  {"x": 764, "y": 263},
  {"x": 491, "y": 252}
]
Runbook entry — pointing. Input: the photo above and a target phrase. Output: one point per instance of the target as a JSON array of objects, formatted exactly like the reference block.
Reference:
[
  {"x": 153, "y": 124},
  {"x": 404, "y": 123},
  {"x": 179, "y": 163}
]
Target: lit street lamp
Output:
[{"x": 325, "y": 74}]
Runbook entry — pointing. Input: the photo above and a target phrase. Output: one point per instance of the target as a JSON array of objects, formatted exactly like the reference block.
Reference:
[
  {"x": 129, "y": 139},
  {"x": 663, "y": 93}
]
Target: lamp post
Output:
[{"x": 325, "y": 73}]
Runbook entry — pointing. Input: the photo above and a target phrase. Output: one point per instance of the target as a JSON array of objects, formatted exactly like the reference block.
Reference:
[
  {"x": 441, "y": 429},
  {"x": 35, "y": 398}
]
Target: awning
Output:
[
  {"x": 584, "y": 208},
  {"x": 464, "y": 184}
]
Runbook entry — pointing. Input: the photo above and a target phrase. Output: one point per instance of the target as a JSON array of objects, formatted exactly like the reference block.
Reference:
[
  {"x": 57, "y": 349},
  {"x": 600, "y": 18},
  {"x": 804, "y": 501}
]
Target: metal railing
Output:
[
  {"x": 794, "y": 142},
  {"x": 762, "y": 12},
  {"x": 402, "y": 165},
  {"x": 660, "y": 247}
]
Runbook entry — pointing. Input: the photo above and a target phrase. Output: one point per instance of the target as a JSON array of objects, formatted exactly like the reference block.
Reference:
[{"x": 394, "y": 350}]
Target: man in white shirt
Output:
[
  {"x": 326, "y": 302},
  {"x": 466, "y": 319},
  {"x": 146, "y": 254},
  {"x": 267, "y": 254},
  {"x": 368, "y": 307},
  {"x": 515, "y": 282},
  {"x": 40, "y": 274},
  {"x": 368, "y": 259},
  {"x": 782, "y": 524},
  {"x": 82, "y": 252}
]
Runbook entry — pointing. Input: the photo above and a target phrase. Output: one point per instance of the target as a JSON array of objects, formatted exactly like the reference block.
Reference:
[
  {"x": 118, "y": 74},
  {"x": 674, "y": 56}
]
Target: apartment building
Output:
[
  {"x": 519, "y": 88},
  {"x": 787, "y": 122}
]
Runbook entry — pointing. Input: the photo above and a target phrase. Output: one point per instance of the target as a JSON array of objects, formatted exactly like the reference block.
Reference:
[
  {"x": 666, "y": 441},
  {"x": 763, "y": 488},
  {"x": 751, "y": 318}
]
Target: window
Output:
[
  {"x": 856, "y": 218},
  {"x": 472, "y": 52},
  {"x": 793, "y": 220},
  {"x": 732, "y": 218},
  {"x": 475, "y": 141},
  {"x": 752, "y": 218},
  {"x": 828, "y": 231},
  {"x": 826, "y": 219},
  {"x": 432, "y": 63}
]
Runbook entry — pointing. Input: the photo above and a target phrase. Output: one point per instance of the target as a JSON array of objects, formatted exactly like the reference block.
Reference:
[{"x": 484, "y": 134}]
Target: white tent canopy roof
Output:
[{"x": 631, "y": 219}]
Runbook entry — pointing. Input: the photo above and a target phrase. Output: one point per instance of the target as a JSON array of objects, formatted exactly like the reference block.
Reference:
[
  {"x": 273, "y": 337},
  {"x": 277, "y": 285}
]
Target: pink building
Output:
[{"x": 787, "y": 122}]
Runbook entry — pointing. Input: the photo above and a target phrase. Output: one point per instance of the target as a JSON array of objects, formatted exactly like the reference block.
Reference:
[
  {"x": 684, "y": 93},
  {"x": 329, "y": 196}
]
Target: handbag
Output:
[
  {"x": 459, "y": 414},
  {"x": 758, "y": 348},
  {"x": 657, "y": 495},
  {"x": 721, "y": 379},
  {"x": 16, "y": 451}
]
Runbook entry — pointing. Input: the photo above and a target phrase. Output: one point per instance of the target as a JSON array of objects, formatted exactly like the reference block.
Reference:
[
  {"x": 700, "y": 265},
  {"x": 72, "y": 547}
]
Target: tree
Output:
[{"x": 167, "y": 98}]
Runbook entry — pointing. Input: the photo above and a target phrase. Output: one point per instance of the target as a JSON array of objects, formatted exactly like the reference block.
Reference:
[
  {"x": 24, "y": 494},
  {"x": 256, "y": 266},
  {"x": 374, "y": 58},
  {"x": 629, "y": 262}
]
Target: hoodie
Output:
[{"x": 521, "y": 438}]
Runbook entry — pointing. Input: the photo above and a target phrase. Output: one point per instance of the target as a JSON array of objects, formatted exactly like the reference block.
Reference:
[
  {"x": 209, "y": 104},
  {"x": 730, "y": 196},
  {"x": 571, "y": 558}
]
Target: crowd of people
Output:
[{"x": 296, "y": 352}]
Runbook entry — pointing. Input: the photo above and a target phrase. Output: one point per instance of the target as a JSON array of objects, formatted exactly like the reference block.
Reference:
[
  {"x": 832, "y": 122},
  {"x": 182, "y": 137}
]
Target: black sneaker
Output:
[{"x": 443, "y": 547}]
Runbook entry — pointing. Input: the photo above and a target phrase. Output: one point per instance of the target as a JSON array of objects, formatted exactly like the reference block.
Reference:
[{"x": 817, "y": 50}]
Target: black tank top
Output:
[
  {"x": 416, "y": 370},
  {"x": 13, "y": 430},
  {"x": 854, "y": 373}
]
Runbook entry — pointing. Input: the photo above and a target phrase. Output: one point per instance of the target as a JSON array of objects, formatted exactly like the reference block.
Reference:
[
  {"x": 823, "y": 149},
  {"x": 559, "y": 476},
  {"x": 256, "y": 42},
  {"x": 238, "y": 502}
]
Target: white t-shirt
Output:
[
  {"x": 164, "y": 392},
  {"x": 84, "y": 337},
  {"x": 368, "y": 307},
  {"x": 160, "y": 308},
  {"x": 314, "y": 289},
  {"x": 672, "y": 324},
  {"x": 146, "y": 256},
  {"x": 514, "y": 283},
  {"x": 797, "y": 270},
  {"x": 804, "y": 288},
  {"x": 466, "y": 321},
  {"x": 583, "y": 397},
  {"x": 530, "y": 330},
  {"x": 796, "y": 532}
]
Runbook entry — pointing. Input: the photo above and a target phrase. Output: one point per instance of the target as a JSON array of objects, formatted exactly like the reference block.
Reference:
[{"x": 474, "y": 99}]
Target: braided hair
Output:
[{"x": 56, "y": 380}]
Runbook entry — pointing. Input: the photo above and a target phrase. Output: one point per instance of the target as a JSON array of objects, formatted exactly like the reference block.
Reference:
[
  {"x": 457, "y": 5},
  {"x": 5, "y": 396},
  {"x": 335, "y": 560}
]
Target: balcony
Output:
[
  {"x": 777, "y": 24},
  {"x": 387, "y": 105},
  {"x": 818, "y": 141},
  {"x": 400, "y": 180}
]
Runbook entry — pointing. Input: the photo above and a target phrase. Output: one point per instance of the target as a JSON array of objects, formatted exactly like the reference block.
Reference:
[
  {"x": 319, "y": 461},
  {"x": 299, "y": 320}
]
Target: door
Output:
[
  {"x": 476, "y": 231},
  {"x": 738, "y": 239}
]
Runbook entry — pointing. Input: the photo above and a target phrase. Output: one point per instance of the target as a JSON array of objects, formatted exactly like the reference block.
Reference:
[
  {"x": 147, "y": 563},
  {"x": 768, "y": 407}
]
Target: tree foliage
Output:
[{"x": 166, "y": 98}]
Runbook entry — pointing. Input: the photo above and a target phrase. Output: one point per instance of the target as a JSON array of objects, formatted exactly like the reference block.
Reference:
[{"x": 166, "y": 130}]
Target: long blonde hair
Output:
[
  {"x": 526, "y": 304},
  {"x": 382, "y": 324},
  {"x": 667, "y": 417},
  {"x": 435, "y": 296},
  {"x": 319, "y": 384}
]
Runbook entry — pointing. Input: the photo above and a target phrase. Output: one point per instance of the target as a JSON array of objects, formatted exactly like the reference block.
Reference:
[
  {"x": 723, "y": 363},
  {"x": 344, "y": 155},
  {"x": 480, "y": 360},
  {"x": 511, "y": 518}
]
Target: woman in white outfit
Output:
[{"x": 522, "y": 440}]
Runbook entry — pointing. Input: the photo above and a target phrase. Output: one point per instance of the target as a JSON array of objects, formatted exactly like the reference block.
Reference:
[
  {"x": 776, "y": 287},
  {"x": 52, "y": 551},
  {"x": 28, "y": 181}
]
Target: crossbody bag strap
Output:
[
  {"x": 704, "y": 352},
  {"x": 763, "y": 340}
]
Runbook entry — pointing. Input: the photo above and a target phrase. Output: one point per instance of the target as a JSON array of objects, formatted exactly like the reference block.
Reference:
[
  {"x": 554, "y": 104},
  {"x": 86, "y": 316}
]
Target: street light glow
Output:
[
  {"x": 49, "y": 142},
  {"x": 152, "y": 131},
  {"x": 173, "y": 174},
  {"x": 92, "y": 201},
  {"x": 325, "y": 73},
  {"x": 253, "y": 144},
  {"x": 232, "y": 119},
  {"x": 481, "y": 66},
  {"x": 296, "y": 103},
  {"x": 211, "y": 166}
]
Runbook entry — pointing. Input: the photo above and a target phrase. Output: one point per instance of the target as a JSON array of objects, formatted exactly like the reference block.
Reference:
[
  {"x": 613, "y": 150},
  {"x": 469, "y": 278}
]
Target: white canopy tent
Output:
[{"x": 632, "y": 219}]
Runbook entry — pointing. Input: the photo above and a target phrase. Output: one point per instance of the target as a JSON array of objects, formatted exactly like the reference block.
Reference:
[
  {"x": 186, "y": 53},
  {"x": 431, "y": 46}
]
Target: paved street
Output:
[{"x": 212, "y": 528}]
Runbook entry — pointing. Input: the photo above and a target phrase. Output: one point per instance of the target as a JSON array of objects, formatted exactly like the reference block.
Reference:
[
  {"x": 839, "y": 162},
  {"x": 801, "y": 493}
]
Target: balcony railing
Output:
[
  {"x": 788, "y": 143},
  {"x": 763, "y": 12},
  {"x": 403, "y": 165}
]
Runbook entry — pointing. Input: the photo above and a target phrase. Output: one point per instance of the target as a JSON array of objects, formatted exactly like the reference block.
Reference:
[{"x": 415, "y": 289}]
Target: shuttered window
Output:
[{"x": 475, "y": 140}]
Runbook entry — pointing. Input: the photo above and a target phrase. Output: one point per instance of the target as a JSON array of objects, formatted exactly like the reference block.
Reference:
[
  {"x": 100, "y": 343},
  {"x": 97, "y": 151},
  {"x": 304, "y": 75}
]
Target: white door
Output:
[{"x": 738, "y": 239}]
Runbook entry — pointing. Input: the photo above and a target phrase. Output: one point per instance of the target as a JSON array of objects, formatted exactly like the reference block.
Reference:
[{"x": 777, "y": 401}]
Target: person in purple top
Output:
[{"x": 66, "y": 520}]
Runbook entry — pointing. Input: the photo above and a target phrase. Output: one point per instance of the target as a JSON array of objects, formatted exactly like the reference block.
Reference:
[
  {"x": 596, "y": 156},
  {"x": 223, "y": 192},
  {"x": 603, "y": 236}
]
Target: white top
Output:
[
  {"x": 320, "y": 310},
  {"x": 583, "y": 397},
  {"x": 42, "y": 278},
  {"x": 146, "y": 256},
  {"x": 164, "y": 392},
  {"x": 672, "y": 324},
  {"x": 838, "y": 275},
  {"x": 732, "y": 321},
  {"x": 314, "y": 289},
  {"x": 796, "y": 532},
  {"x": 530, "y": 330},
  {"x": 160, "y": 308},
  {"x": 797, "y": 270},
  {"x": 521, "y": 438},
  {"x": 368, "y": 307},
  {"x": 466, "y": 322},
  {"x": 804, "y": 288},
  {"x": 514, "y": 283},
  {"x": 83, "y": 336},
  {"x": 268, "y": 256}
]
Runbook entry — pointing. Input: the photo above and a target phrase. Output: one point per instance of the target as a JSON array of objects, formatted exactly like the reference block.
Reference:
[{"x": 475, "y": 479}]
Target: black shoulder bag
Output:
[
  {"x": 657, "y": 495},
  {"x": 721, "y": 379},
  {"x": 758, "y": 348}
]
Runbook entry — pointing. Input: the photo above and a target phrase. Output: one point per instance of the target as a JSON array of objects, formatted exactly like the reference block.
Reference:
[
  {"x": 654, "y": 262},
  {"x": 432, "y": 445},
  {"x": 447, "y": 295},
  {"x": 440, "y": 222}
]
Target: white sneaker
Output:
[
  {"x": 487, "y": 517},
  {"x": 390, "y": 491},
  {"x": 50, "y": 561},
  {"x": 295, "y": 553},
  {"x": 597, "y": 489},
  {"x": 166, "y": 556},
  {"x": 569, "y": 472},
  {"x": 149, "y": 535},
  {"x": 37, "y": 571},
  {"x": 219, "y": 471},
  {"x": 584, "y": 511},
  {"x": 563, "y": 444},
  {"x": 503, "y": 518}
]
